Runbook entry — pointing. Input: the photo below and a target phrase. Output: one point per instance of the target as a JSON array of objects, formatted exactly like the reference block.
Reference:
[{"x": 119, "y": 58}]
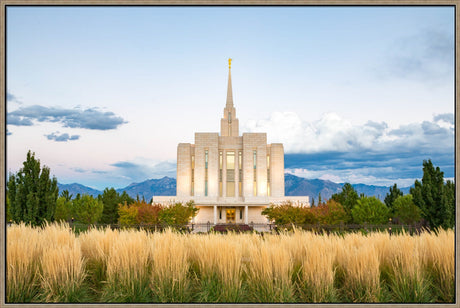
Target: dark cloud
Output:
[
  {"x": 74, "y": 118},
  {"x": 18, "y": 121},
  {"x": 62, "y": 138}
]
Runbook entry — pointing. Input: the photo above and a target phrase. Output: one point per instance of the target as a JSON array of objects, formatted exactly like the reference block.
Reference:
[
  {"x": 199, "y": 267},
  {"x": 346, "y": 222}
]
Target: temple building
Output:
[{"x": 230, "y": 177}]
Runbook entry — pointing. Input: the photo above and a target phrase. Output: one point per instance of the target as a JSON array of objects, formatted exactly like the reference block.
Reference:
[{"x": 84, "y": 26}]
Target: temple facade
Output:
[{"x": 230, "y": 177}]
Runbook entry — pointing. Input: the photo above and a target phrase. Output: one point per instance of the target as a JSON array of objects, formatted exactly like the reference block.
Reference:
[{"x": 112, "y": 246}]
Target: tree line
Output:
[
  {"x": 431, "y": 202},
  {"x": 33, "y": 197}
]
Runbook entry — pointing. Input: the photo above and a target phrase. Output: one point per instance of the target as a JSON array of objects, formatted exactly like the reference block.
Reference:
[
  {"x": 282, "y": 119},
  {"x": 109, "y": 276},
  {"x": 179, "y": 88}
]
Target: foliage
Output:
[
  {"x": 348, "y": 198},
  {"x": 285, "y": 213},
  {"x": 31, "y": 193},
  {"x": 127, "y": 215},
  {"x": 330, "y": 213},
  {"x": 178, "y": 214},
  {"x": 390, "y": 198},
  {"x": 147, "y": 213},
  {"x": 64, "y": 209},
  {"x": 87, "y": 209},
  {"x": 405, "y": 210},
  {"x": 434, "y": 198},
  {"x": 370, "y": 210},
  {"x": 111, "y": 199}
]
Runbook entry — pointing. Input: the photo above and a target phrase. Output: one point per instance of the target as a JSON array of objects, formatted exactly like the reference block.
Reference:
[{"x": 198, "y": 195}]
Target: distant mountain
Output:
[
  {"x": 165, "y": 186},
  {"x": 297, "y": 186},
  {"x": 293, "y": 186},
  {"x": 76, "y": 188}
]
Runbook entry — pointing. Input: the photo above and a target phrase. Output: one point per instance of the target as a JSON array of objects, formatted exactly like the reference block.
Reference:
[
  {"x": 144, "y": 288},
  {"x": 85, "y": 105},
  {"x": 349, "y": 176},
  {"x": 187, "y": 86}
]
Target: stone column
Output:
[
  {"x": 246, "y": 214},
  {"x": 237, "y": 174},
  {"x": 224, "y": 173},
  {"x": 215, "y": 214}
]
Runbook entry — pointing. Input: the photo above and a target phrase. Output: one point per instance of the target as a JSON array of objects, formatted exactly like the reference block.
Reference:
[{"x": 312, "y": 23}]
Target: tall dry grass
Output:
[
  {"x": 437, "y": 253},
  {"x": 217, "y": 261},
  {"x": 23, "y": 250},
  {"x": 103, "y": 265},
  {"x": 128, "y": 268},
  {"x": 169, "y": 274},
  {"x": 357, "y": 261}
]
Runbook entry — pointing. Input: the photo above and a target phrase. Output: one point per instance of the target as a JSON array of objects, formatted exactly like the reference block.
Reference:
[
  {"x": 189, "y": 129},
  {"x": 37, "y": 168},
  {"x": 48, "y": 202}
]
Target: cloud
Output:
[
  {"x": 12, "y": 98},
  {"x": 8, "y": 133},
  {"x": 18, "y": 121},
  {"x": 62, "y": 138},
  {"x": 425, "y": 56},
  {"x": 372, "y": 153},
  {"x": 445, "y": 117},
  {"x": 74, "y": 118}
]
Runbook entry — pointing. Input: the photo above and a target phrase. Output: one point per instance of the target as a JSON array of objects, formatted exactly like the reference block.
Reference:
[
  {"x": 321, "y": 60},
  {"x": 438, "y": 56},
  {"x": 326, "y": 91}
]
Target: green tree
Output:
[
  {"x": 178, "y": 214},
  {"x": 370, "y": 210},
  {"x": 405, "y": 210},
  {"x": 432, "y": 197},
  {"x": 348, "y": 198},
  {"x": 449, "y": 199},
  {"x": 390, "y": 198},
  {"x": 31, "y": 193},
  {"x": 285, "y": 213},
  {"x": 64, "y": 209},
  {"x": 87, "y": 209}
]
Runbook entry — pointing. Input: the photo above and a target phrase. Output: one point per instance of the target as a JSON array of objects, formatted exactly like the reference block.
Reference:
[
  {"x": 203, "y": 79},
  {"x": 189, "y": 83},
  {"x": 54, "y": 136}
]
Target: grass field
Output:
[{"x": 52, "y": 264}]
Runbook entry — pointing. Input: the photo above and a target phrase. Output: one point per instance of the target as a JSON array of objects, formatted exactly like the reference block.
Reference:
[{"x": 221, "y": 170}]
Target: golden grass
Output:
[{"x": 53, "y": 265}]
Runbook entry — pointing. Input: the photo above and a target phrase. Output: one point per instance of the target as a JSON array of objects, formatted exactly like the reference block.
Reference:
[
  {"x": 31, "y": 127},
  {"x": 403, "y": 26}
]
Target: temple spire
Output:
[
  {"x": 229, "y": 88},
  {"x": 229, "y": 123}
]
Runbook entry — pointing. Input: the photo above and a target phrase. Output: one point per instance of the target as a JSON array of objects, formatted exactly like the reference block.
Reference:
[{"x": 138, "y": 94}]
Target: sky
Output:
[{"x": 103, "y": 95}]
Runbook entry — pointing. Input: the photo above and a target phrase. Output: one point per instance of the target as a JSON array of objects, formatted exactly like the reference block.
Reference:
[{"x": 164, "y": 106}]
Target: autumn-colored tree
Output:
[
  {"x": 330, "y": 213},
  {"x": 127, "y": 215},
  {"x": 147, "y": 213}
]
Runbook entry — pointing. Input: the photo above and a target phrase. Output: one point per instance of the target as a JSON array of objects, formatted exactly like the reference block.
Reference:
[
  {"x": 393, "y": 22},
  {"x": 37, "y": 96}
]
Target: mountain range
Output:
[{"x": 293, "y": 186}]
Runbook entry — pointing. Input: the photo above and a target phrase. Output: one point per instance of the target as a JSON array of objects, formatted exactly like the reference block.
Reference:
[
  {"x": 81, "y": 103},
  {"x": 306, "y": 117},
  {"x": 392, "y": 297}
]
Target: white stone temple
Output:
[{"x": 230, "y": 177}]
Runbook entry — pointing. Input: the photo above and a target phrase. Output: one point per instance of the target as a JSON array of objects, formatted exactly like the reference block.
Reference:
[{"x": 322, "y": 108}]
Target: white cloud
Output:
[{"x": 332, "y": 133}]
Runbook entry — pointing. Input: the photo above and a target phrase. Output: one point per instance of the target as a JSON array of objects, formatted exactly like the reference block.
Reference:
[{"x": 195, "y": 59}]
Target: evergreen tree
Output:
[
  {"x": 348, "y": 198},
  {"x": 432, "y": 197},
  {"x": 390, "y": 198},
  {"x": 111, "y": 200},
  {"x": 31, "y": 193}
]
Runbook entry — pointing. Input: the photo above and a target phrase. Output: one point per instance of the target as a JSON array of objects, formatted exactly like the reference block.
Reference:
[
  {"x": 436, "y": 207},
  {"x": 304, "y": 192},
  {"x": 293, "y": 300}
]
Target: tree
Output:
[
  {"x": 64, "y": 209},
  {"x": 449, "y": 199},
  {"x": 147, "y": 213},
  {"x": 31, "y": 193},
  {"x": 348, "y": 198},
  {"x": 432, "y": 197},
  {"x": 405, "y": 210},
  {"x": 285, "y": 213},
  {"x": 394, "y": 193},
  {"x": 370, "y": 210},
  {"x": 127, "y": 215},
  {"x": 331, "y": 213},
  {"x": 178, "y": 214},
  {"x": 87, "y": 209}
]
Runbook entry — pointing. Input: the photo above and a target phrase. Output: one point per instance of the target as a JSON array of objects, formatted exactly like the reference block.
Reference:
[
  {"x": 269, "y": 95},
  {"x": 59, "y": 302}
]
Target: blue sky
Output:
[{"x": 103, "y": 95}]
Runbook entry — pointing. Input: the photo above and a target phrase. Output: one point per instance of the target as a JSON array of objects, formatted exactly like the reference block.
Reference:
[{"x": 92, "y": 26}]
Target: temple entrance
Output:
[{"x": 230, "y": 215}]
